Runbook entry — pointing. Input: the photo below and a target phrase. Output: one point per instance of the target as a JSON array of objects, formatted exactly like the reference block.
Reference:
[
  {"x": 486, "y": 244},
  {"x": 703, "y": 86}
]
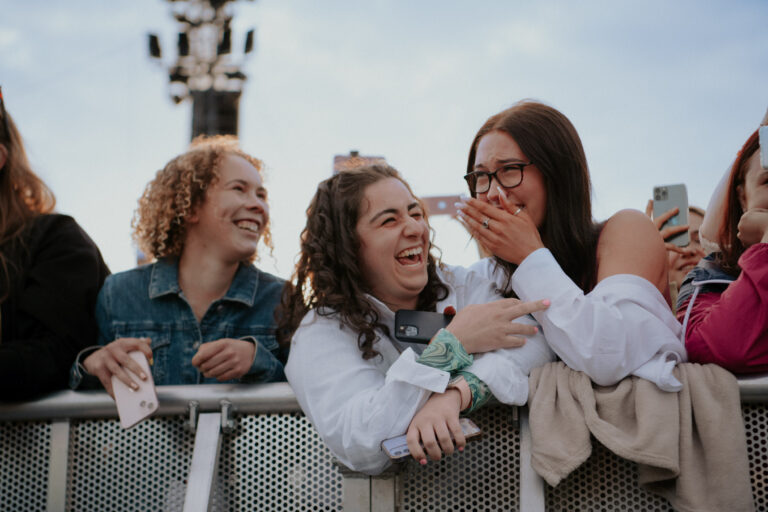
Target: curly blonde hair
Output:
[{"x": 177, "y": 191}]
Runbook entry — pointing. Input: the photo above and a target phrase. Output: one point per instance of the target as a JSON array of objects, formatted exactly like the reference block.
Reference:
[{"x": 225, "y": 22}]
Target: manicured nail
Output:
[
  {"x": 459, "y": 205},
  {"x": 143, "y": 376},
  {"x": 134, "y": 386},
  {"x": 461, "y": 448},
  {"x": 546, "y": 302},
  {"x": 501, "y": 192},
  {"x": 464, "y": 197},
  {"x": 151, "y": 361},
  {"x": 423, "y": 462},
  {"x": 535, "y": 329}
]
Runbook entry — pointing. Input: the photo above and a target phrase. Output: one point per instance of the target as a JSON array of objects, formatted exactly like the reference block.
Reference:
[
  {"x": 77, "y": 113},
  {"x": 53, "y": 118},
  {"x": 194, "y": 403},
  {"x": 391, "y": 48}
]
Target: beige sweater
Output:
[{"x": 690, "y": 446}]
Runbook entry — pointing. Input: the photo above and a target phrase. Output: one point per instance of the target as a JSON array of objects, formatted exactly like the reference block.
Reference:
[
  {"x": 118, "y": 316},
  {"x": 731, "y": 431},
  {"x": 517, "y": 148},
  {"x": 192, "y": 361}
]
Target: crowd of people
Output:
[{"x": 609, "y": 299}]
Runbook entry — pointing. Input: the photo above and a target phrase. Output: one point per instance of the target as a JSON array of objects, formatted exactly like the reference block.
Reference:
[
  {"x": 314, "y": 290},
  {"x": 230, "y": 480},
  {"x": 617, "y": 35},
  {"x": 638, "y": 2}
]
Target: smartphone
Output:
[
  {"x": 763, "y": 146},
  {"x": 419, "y": 326},
  {"x": 134, "y": 406},
  {"x": 665, "y": 198},
  {"x": 397, "y": 447}
]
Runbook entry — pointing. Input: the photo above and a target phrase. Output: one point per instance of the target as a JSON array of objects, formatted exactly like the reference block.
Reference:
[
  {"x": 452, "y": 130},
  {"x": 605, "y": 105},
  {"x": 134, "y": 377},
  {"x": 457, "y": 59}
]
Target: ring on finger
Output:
[
  {"x": 486, "y": 223},
  {"x": 519, "y": 209}
]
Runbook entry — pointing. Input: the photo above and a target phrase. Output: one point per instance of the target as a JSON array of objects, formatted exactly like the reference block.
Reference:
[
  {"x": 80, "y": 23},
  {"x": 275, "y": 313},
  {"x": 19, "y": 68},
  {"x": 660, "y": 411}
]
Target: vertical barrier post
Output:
[
  {"x": 57, "y": 466},
  {"x": 205, "y": 461},
  {"x": 531, "y": 484}
]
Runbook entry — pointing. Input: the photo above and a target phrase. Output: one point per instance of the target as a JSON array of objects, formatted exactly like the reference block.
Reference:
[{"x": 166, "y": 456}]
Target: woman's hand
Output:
[
  {"x": 510, "y": 233},
  {"x": 491, "y": 326},
  {"x": 113, "y": 359},
  {"x": 433, "y": 426},
  {"x": 224, "y": 359},
  {"x": 670, "y": 231},
  {"x": 753, "y": 227}
]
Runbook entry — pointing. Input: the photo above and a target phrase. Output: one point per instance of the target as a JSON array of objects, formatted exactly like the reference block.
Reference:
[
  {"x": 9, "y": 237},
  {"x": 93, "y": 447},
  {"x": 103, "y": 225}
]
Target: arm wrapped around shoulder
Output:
[{"x": 622, "y": 327}]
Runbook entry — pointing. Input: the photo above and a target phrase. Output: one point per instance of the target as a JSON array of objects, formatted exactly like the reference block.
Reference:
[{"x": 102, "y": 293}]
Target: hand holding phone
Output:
[
  {"x": 666, "y": 198},
  {"x": 397, "y": 447},
  {"x": 135, "y": 405}
]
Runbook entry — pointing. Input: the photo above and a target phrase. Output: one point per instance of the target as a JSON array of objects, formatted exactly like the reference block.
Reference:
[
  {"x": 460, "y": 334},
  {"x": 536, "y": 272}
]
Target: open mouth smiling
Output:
[
  {"x": 411, "y": 256},
  {"x": 249, "y": 225}
]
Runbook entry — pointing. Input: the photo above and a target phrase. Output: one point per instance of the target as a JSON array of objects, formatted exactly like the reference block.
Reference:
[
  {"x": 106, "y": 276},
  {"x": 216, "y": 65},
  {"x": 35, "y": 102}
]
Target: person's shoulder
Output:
[
  {"x": 268, "y": 284},
  {"x": 630, "y": 228},
  {"x": 129, "y": 279},
  {"x": 56, "y": 225}
]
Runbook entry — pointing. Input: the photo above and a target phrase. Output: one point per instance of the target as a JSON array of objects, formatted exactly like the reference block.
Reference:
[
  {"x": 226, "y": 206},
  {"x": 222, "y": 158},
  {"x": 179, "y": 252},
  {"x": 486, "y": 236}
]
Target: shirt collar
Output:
[{"x": 165, "y": 281}]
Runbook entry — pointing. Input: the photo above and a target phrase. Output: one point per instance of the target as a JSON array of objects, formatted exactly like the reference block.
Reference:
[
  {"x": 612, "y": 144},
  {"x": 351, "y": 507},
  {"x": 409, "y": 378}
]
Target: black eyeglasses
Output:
[
  {"x": 509, "y": 176},
  {"x": 6, "y": 128}
]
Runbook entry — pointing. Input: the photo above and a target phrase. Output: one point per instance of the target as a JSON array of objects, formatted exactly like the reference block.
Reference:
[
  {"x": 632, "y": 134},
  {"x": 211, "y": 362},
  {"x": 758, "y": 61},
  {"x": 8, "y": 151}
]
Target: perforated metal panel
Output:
[
  {"x": 485, "y": 477},
  {"x": 24, "y": 452},
  {"x": 143, "y": 468},
  {"x": 756, "y": 425},
  {"x": 276, "y": 463},
  {"x": 605, "y": 482}
]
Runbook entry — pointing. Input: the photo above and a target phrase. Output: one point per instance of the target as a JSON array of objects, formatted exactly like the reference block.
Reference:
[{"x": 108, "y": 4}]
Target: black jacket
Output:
[{"x": 48, "y": 315}]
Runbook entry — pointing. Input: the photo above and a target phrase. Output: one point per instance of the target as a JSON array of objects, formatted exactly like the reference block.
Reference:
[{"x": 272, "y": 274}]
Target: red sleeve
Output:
[{"x": 731, "y": 328}]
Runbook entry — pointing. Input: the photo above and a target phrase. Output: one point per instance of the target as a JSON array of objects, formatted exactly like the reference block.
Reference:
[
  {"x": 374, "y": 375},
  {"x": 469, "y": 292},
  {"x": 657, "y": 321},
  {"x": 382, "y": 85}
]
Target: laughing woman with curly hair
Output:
[{"x": 202, "y": 312}]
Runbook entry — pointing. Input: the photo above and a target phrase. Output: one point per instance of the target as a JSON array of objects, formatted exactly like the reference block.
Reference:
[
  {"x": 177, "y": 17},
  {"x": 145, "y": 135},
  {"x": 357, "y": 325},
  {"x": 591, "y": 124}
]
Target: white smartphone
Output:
[
  {"x": 666, "y": 197},
  {"x": 763, "y": 146},
  {"x": 397, "y": 447},
  {"x": 134, "y": 406}
]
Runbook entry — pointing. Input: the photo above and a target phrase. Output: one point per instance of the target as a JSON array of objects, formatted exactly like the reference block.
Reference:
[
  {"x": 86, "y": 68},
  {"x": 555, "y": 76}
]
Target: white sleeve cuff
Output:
[{"x": 407, "y": 370}]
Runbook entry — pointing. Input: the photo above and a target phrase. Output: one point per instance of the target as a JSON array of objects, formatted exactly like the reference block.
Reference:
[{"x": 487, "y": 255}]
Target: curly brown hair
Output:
[
  {"x": 159, "y": 223},
  {"x": 328, "y": 277}
]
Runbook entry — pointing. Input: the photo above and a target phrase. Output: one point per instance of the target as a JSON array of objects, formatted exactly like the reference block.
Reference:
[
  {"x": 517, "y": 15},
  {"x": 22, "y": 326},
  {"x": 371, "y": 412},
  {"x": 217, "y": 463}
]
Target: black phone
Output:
[{"x": 419, "y": 326}]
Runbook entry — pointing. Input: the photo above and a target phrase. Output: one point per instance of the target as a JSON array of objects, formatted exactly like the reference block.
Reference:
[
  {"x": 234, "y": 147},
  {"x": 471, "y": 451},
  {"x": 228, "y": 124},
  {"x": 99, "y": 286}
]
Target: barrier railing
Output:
[{"x": 237, "y": 447}]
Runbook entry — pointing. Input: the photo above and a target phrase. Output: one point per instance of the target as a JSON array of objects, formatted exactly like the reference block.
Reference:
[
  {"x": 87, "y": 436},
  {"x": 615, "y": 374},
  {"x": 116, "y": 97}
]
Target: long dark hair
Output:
[
  {"x": 23, "y": 196},
  {"x": 550, "y": 141},
  {"x": 731, "y": 247},
  {"x": 328, "y": 277}
]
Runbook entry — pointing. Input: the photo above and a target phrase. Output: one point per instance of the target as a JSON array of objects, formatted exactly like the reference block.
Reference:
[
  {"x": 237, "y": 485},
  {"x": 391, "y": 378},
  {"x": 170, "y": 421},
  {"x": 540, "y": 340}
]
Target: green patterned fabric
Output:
[
  {"x": 481, "y": 393},
  {"x": 446, "y": 353}
]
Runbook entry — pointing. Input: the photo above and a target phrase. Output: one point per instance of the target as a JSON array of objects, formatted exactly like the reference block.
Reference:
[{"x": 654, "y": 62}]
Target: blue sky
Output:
[{"x": 661, "y": 92}]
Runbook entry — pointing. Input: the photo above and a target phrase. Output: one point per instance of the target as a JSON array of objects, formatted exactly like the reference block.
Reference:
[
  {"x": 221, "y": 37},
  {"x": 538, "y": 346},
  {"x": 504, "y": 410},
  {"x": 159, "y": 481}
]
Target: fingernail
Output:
[
  {"x": 535, "y": 329},
  {"x": 151, "y": 361},
  {"x": 501, "y": 192},
  {"x": 134, "y": 385},
  {"x": 460, "y": 213},
  {"x": 464, "y": 197},
  {"x": 143, "y": 376},
  {"x": 459, "y": 205},
  {"x": 461, "y": 448},
  {"x": 546, "y": 302},
  {"x": 423, "y": 462}
]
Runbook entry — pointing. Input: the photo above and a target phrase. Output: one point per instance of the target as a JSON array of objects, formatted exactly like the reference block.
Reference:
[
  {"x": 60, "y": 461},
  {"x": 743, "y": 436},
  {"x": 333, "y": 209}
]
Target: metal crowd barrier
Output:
[{"x": 244, "y": 448}]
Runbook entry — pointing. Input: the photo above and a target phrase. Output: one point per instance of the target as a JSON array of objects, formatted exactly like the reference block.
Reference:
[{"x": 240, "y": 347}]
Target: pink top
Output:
[{"x": 730, "y": 328}]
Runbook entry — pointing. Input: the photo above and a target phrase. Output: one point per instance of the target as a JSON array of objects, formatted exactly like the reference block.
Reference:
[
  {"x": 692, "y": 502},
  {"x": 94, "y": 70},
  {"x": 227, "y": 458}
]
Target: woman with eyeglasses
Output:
[
  {"x": 50, "y": 274},
  {"x": 530, "y": 207}
]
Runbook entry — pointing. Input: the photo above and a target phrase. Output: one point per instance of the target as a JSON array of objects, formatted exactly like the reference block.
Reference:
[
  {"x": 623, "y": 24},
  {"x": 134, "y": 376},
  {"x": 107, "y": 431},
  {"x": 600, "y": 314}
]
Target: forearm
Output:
[
  {"x": 610, "y": 332},
  {"x": 266, "y": 366}
]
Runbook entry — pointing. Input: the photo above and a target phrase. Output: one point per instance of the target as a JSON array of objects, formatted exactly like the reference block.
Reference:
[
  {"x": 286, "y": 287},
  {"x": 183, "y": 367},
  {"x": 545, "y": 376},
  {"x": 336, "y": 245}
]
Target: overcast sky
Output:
[{"x": 660, "y": 91}]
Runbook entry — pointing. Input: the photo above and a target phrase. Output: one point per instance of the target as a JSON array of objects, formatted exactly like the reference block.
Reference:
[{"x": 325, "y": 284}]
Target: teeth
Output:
[
  {"x": 409, "y": 252},
  {"x": 248, "y": 225}
]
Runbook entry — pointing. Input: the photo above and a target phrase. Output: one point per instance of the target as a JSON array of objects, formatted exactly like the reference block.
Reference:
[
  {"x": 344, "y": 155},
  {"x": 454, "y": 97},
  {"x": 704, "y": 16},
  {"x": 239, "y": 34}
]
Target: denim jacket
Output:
[{"x": 148, "y": 302}]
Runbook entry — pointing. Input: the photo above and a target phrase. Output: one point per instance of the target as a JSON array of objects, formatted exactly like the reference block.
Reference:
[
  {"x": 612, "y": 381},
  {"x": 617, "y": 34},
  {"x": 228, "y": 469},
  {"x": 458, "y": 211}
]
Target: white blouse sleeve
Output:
[
  {"x": 622, "y": 327},
  {"x": 355, "y": 404},
  {"x": 505, "y": 371}
]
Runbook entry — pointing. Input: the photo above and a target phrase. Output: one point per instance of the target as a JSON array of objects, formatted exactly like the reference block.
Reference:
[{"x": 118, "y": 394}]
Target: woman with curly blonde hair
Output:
[{"x": 202, "y": 312}]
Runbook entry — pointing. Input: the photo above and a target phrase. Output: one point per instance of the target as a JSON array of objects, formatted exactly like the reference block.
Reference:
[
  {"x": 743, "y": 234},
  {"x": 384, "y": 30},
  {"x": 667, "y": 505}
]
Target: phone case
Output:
[
  {"x": 665, "y": 198},
  {"x": 397, "y": 447},
  {"x": 419, "y": 326},
  {"x": 763, "y": 134},
  {"x": 134, "y": 406}
]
